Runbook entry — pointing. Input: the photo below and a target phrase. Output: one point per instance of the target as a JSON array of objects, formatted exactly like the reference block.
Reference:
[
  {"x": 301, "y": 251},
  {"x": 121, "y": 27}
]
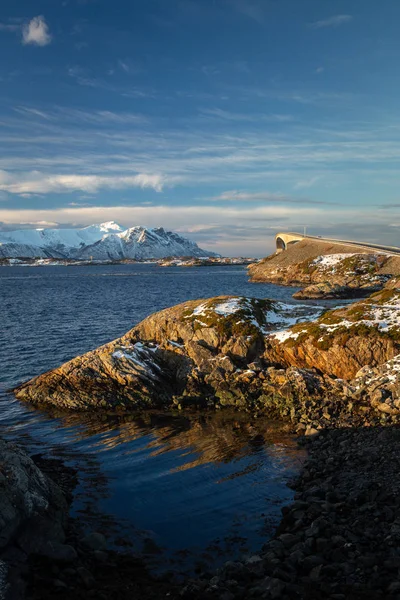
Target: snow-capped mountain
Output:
[{"x": 99, "y": 242}]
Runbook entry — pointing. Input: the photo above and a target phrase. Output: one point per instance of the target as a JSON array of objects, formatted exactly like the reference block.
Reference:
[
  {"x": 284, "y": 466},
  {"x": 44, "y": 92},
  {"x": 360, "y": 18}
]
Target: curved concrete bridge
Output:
[
  {"x": 283, "y": 240},
  {"x": 286, "y": 239}
]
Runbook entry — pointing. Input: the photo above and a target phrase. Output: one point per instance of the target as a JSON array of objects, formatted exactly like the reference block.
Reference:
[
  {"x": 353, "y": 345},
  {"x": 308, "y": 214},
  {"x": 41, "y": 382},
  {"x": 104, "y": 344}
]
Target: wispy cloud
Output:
[
  {"x": 75, "y": 115},
  {"x": 248, "y": 117},
  {"x": 27, "y": 225},
  {"x": 25, "y": 110},
  {"x": 267, "y": 197},
  {"x": 36, "y": 32},
  {"x": 306, "y": 183},
  {"x": 251, "y": 9},
  {"x": 390, "y": 205},
  {"x": 124, "y": 66},
  {"x": 12, "y": 27},
  {"x": 85, "y": 78},
  {"x": 334, "y": 21},
  {"x": 36, "y": 182}
]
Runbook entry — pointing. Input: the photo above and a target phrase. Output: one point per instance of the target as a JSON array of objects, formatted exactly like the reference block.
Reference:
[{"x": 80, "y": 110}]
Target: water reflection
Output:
[
  {"x": 199, "y": 487},
  {"x": 214, "y": 437},
  {"x": 186, "y": 480},
  {"x": 196, "y": 486}
]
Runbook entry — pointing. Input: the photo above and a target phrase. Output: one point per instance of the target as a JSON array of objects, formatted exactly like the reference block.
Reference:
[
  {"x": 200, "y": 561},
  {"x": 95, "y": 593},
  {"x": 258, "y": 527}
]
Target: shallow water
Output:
[{"x": 199, "y": 487}]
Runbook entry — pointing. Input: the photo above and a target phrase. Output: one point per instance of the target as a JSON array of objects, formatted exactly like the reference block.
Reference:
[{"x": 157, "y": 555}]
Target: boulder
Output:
[{"x": 27, "y": 497}]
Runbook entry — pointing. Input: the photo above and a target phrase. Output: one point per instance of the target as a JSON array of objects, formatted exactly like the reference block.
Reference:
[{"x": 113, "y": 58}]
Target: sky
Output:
[{"x": 224, "y": 120}]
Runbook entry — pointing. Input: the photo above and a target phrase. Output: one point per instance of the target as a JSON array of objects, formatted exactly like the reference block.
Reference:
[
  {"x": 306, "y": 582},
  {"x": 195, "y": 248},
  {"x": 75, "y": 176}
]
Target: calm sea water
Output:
[{"x": 199, "y": 488}]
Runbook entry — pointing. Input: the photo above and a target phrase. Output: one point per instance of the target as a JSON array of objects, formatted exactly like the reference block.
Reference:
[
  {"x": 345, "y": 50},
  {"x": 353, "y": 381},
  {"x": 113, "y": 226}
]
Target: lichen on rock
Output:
[
  {"x": 253, "y": 355},
  {"x": 184, "y": 351}
]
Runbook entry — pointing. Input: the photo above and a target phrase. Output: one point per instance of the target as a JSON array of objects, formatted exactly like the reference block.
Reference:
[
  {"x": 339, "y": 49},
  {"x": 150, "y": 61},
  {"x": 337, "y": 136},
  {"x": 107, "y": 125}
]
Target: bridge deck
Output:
[{"x": 285, "y": 238}]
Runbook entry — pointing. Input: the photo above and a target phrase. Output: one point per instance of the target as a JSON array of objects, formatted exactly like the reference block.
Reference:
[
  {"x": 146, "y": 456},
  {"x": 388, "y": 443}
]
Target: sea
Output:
[{"x": 187, "y": 491}]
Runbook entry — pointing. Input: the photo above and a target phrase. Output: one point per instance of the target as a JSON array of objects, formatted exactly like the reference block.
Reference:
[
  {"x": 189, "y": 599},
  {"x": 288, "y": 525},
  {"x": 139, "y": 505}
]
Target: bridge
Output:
[{"x": 286, "y": 239}]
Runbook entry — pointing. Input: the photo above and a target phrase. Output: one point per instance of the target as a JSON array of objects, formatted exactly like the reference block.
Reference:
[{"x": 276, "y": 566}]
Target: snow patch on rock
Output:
[
  {"x": 330, "y": 260},
  {"x": 141, "y": 358}
]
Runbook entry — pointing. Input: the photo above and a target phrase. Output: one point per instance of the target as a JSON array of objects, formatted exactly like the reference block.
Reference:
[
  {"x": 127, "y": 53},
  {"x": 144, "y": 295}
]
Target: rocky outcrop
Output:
[
  {"x": 342, "y": 341},
  {"x": 330, "y": 290},
  {"x": 254, "y": 355},
  {"x": 28, "y": 499},
  {"x": 197, "y": 352},
  {"x": 327, "y": 271},
  {"x": 33, "y": 513}
]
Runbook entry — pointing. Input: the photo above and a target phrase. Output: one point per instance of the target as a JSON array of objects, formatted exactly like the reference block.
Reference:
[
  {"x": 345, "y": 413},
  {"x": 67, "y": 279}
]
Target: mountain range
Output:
[{"x": 107, "y": 241}]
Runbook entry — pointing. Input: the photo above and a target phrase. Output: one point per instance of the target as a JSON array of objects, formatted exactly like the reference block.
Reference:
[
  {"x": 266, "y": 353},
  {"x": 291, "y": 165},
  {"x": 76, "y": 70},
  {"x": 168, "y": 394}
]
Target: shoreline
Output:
[{"x": 337, "y": 539}]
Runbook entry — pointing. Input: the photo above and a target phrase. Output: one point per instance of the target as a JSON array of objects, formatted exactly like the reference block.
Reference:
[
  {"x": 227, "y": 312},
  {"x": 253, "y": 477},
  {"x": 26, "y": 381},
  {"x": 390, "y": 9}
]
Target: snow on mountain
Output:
[
  {"x": 58, "y": 238},
  {"x": 100, "y": 242}
]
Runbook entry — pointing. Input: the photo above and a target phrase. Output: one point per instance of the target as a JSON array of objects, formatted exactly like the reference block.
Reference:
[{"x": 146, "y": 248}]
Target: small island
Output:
[{"x": 327, "y": 269}]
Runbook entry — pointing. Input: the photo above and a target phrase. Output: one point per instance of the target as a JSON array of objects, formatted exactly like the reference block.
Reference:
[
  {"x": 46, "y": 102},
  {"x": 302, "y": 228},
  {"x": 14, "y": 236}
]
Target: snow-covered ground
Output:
[
  {"x": 385, "y": 317},
  {"x": 329, "y": 260},
  {"x": 279, "y": 315}
]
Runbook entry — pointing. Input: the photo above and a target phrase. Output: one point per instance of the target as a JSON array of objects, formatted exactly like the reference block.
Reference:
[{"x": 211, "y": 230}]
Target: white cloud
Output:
[
  {"x": 36, "y": 32},
  {"x": 334, "y": 21},
  {"x": 37, "y": 182}
]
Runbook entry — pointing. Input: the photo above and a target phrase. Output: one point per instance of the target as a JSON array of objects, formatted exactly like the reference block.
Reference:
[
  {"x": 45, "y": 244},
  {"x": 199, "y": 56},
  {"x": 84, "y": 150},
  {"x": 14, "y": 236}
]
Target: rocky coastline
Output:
[
  {"x": 334, "y": 376},
  {"x": 339, "y": 539},
  {"x": 327, "y": 271}
]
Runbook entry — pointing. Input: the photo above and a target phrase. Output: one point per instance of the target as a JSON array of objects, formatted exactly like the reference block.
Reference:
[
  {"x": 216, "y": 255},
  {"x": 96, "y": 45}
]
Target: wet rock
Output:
[
  {"x": 58, "y": 552},
  {"x": 275, "y": 587},
  {"x": 100, "y": 555},
  {"x": 27, "y": 496},
  {"x": 94, "y": 541},
  {"x": 86, "y": 577}
]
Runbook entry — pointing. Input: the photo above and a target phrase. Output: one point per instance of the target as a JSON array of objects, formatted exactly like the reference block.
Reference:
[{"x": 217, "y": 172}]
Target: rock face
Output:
[
  {"x": 33, "y": 512},
  {"x": 27, "y": 498},
  {"x": 343, "y": 341},
  {"x": 257, "y": 355},
  {"x": 326, "y": 272},
  {"x": 191, "y": 351}
]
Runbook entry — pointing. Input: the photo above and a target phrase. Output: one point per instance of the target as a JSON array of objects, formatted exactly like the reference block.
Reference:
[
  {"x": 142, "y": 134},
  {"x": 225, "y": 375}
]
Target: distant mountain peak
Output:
[
  {"x": 102, "y": 241},
  {"x": 106, "y": 227},
  {"x": 110, "y": 226}
]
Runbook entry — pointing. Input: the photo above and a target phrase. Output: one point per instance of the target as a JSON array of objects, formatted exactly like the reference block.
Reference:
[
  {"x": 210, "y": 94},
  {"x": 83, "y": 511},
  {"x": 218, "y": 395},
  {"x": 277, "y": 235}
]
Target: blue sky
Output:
[{"x": 226, "y": 120}]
